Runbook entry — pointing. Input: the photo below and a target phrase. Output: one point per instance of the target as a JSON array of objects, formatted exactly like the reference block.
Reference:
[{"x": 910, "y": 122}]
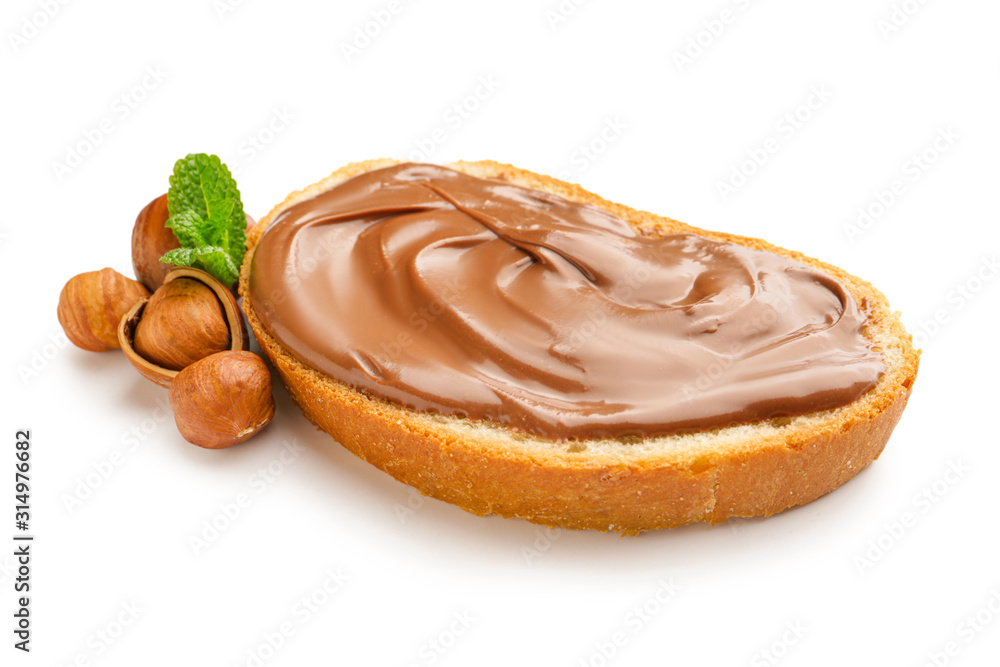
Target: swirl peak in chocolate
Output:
[{"x": 445, "y": 292}]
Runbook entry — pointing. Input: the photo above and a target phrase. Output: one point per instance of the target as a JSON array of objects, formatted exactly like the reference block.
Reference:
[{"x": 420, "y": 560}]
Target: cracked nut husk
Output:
[
  {"x": 182, "y": 323},
  {"x": 176, "y": 339}
]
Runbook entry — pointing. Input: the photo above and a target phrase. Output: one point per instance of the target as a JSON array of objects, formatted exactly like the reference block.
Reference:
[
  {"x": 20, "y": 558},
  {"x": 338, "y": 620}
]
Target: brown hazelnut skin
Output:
[
  {"x": 92, "y": 304},
  {"x": 222, "y": 400},
  {"x": 182, "y": 323},
  {"x": 150, "y": 240}
]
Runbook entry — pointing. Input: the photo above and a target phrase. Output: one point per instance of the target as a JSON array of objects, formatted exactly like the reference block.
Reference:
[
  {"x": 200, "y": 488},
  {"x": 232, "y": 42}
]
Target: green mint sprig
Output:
[{"x": 206, "y": 215}]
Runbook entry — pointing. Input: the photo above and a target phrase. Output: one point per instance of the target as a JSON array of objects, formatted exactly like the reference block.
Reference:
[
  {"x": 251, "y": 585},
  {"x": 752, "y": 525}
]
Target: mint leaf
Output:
[
  {"x": 213, "y": 259},
  {"x": 187, "y": 226},
  {"x": 206, "y": 215}
]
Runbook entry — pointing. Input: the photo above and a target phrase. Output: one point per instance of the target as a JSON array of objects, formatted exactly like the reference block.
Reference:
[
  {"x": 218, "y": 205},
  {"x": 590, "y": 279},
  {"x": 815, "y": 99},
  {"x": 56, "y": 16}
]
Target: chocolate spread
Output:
[{"x": 449, "y": 293}]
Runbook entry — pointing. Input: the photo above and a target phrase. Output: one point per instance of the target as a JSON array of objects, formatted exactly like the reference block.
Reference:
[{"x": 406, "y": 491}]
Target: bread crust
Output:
[{"x": 608, "y": 485}]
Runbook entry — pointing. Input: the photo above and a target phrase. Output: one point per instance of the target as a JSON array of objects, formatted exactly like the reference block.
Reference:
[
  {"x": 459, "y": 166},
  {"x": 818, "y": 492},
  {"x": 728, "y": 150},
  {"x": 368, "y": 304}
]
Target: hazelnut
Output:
[
  {"x": 150, "y": 240},
  {"x": 160, "y": 331},
  {"x": 92, "y": 304},
  {"x": 182, "y": 323},
  {"x": 222, "y": 399}
]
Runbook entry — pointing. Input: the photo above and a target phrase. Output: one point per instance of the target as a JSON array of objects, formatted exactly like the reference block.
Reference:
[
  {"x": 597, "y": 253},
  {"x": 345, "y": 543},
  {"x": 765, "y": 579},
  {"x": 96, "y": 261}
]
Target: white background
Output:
[{"x": 857, "y": 585}]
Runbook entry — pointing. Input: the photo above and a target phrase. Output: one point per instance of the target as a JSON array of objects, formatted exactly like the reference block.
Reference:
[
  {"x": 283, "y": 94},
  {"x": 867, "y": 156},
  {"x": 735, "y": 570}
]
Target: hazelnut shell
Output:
[
  {"x": 182, "y": 322},
  {"x": 165, "y": 376}
]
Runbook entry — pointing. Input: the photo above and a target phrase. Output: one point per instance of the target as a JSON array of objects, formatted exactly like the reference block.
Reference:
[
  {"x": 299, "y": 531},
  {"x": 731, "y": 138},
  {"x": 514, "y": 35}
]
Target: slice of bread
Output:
[{"x": 625, "y": 485}]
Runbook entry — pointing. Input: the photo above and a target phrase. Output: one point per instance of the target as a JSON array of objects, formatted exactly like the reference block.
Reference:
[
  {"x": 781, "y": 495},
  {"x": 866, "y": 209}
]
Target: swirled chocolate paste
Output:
[{"x": 445, "y": 292}]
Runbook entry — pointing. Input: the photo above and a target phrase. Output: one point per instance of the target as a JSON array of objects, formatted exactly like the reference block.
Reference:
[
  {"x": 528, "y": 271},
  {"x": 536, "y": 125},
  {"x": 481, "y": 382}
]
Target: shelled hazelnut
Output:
[
  {"x": 179, "y": 326},
  {"x": 189, "y": 317},
  {"x": 222, "y": 399},
  {"x": 151, "y": 239},
  {"x": 92, "y": 304},
  {"x": 182, "y": 323}
]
